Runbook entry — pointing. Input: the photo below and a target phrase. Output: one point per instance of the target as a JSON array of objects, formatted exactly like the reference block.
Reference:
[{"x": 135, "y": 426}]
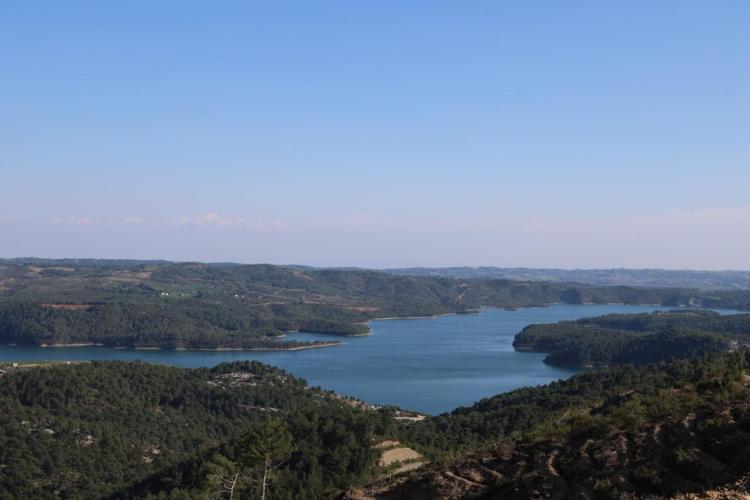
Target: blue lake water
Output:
[{"x": 430, "y": 365}]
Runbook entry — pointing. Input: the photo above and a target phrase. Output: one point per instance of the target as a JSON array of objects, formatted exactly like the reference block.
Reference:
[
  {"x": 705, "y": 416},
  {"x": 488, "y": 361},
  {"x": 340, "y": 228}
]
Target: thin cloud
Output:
[
  {"x": 182, "y": 220},
  {"x": 134, "y": 221},
  {"x": 8, "y": 219},
  {"x": 74, "y": 220},
  {"x": 216, "y": 220}
]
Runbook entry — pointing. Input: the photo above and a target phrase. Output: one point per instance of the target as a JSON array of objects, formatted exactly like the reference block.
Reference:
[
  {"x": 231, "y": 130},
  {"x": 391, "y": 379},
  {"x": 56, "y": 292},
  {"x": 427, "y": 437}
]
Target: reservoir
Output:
[{"x": 431, "y": 365}]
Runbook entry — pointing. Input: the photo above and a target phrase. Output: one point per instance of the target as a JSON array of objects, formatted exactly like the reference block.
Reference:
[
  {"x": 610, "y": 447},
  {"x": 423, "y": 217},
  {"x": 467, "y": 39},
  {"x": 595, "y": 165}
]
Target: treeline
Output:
[
  {"x": 326, "y": 326},
  {"x": 187, "y": 324},
  {"x": 112, "y": 429},
  {"x": 635, "y": 338}
]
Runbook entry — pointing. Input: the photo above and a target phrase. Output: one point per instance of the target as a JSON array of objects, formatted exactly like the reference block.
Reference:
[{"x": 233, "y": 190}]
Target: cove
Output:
[{"x": 431, "y": 365}]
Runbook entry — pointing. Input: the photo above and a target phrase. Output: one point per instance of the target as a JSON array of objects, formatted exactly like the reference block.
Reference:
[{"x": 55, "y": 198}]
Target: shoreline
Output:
[
  {"x": 217, "y": 349},
  {"x": 439, "y": 315},
  {"x": 342, "y": 335},
  {"x": 253, "y": 349},
  {"x": 75, "y": 344},
  {"x": 518, "y": 308}
]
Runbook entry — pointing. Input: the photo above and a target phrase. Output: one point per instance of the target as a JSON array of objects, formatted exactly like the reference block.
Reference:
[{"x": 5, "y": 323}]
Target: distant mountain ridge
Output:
[
  {"x": 656, "y": 278},
  {"x": 709, "y": 280}
]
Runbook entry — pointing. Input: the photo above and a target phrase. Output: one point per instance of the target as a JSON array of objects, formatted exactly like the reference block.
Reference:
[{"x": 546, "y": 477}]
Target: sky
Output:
[{"x": 579, "y": 134}]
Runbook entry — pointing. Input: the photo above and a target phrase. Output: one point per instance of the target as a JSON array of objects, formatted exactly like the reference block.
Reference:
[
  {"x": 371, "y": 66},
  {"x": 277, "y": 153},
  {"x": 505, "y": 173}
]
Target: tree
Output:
[
  {"x": 224, "y": 475},
  {"x": 264, "y": 449}
]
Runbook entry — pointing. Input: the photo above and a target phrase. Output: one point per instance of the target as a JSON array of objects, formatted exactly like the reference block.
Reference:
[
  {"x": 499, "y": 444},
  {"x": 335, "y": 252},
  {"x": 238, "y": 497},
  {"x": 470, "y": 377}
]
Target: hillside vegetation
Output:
[
  {"x": 647, "y": 432},
  {"x": 635, "y": 338},
  {"x": 663, "y": 278},
  {"x": 133, "y": 430},
  {"x": 100, "y": 429},
  {"x": 208, "y": 306}
]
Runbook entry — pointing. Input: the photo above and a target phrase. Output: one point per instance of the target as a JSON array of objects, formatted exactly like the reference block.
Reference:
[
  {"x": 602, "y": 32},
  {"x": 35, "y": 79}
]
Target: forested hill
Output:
[
  {"x": 195, "y": 305},
  {"x": 111, "y": 429},
  {"x": 628, "y": 432},
  {"x": 665, "y": 278},
  {"x": 635, "y": 338},
  {"x": 134, "y": 430}
]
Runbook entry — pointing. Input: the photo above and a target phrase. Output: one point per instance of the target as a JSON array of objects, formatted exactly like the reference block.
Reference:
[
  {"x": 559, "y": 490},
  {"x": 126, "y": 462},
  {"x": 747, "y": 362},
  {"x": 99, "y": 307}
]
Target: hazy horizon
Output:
[
  {"x": 378, "y": 135},
  {"x": 302, "y": 264}
]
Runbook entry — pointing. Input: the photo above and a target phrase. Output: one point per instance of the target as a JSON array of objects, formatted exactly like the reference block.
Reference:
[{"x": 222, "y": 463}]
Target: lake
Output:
[{"x": 430, "y": 365}]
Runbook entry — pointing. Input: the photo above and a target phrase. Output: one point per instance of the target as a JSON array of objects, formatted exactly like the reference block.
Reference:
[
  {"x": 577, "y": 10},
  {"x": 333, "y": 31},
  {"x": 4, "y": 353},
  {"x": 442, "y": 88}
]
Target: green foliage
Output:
[
  {"x": 706, "y": 280},
  {"x": 209, "y": 306},
  {"x": 134, "y": 429},
  {"x": 635, "y": 338},
  {"x": 191, "y": 324},
  {"x": 267, "y": 441},
  {"x": 517, "y": 413},
  {"x": 627, "y": 432}
]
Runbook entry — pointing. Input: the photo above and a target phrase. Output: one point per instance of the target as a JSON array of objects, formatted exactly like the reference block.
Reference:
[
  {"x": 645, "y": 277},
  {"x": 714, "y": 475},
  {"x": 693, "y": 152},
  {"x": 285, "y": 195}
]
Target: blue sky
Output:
[{"x": 547, "y": 134}]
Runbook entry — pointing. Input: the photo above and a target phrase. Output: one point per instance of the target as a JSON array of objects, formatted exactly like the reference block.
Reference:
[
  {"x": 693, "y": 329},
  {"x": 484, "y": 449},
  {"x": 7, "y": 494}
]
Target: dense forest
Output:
[
  {"x": 104, "y": 429},
  {"x": 210, "y": 306},
  {"x": 635, "y": 338},
  {"x": 193, "y": 324},
  {"x": 647, "y": 432},
  {"x": 133, "y": 430}
]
